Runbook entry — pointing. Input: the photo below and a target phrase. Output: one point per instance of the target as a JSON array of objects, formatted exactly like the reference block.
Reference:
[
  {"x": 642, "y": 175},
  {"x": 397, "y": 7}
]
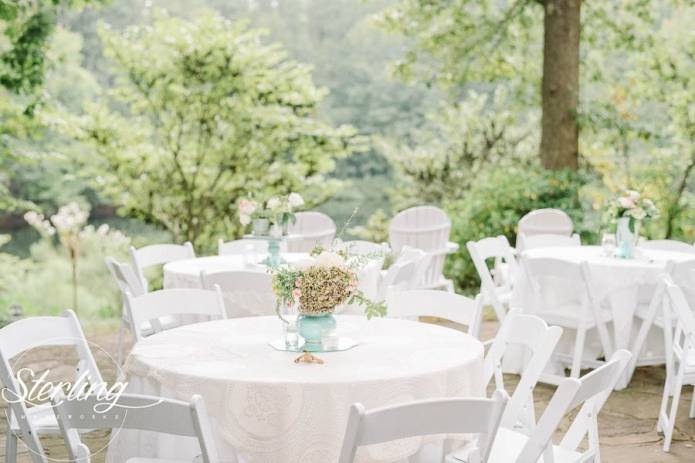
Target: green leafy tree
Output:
[{"x": 210, "y": 115}]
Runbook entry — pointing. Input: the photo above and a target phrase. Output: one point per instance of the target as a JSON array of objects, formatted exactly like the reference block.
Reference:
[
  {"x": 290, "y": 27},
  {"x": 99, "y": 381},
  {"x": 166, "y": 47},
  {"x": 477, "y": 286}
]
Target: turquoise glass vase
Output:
[{"x": 313, "y": 327}]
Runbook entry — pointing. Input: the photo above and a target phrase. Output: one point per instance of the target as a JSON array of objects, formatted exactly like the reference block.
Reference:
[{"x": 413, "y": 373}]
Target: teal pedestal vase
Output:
[{"x": 313, "y": 327}]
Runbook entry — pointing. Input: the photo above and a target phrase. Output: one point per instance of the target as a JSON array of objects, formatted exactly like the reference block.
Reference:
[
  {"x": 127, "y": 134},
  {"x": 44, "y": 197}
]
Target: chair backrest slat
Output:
[
  {"x": 441, "y": 304},
  {"x": 525, "y": 242},
  {"x": 422, "y": 418},
  {"x": 132, "y": 411},
  {"x": 496, "y": 248},
  {"x": 540, "y": 221},
  {"x": 125, "y": 277},
  {"x": 152, "y": 307},
  {"x": 158, "y": 254}
]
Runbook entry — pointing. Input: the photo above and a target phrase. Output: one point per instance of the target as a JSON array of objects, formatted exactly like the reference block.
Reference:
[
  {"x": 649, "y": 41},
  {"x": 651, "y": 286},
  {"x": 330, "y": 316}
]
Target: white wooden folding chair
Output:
[
  {"x": 434, "y": 303},
  {"x": 423, "y": 418},
  {"x": 426, "y": 228},
  {"x": 668, "y": 245},
  {"x": 311, "y": 229},
  {"x": 158, "y": 254},
  {"x": 545, "y": 240},
  {"x": 497, "y": 290},
  {"x": 578, "y": 310},
  {"x": 241, "y": 247},
  {"x": 682, "y": 361},
  {"x": 590, "y": 392},
  {"x": 132, "y": 411},
  {"x": 545, "y": 221},
  {"x": 245, "y": 292},
  {"x": 538, "y": 341},
  {"x": 127, "y": 281},
  {"x": 183, "y": 305},
  {"x": 29, "y": 423},
  {"x": 405, "y": 273}
]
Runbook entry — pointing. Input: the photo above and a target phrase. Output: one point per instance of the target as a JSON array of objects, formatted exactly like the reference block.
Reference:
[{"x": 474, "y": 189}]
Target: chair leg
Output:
[
  {"x": 121, "y": 332},
  {"x": 11, "y": 447},
  {"x": 578, "y": 352},
  {"x": 670, "y": 419},
  {"x": 692, "y": 405}
]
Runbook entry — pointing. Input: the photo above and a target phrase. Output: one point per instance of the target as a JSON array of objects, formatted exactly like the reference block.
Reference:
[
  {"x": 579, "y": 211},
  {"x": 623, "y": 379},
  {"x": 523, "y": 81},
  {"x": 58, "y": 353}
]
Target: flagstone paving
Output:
[{"x": 627, "y": 422}]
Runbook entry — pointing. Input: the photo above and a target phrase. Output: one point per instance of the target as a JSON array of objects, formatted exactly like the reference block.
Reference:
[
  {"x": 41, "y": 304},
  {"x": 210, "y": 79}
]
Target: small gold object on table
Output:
[{"x": 308, "y": 357}]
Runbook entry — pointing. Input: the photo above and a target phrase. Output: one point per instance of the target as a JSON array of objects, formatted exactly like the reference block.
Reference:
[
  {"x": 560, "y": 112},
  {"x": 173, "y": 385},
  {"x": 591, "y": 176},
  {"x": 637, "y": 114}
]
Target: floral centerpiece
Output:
[
  {"x": 271, "y": 217},
  {"x": 317, "y": 286},
  {"x": 628, "y": 211}
]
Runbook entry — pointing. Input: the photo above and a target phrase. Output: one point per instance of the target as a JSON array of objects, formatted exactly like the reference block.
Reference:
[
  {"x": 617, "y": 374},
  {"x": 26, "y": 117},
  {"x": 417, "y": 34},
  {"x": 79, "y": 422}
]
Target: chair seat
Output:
[
  {"x": 567, "y": 316},
  {"x": 507, "y": 447},
  {"x": 42, "y": 417}
]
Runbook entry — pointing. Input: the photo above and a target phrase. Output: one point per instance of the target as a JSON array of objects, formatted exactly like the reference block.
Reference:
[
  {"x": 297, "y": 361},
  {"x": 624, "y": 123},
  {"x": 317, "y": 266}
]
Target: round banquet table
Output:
[
  {"x": 268, "y": 409},
  {"x": 624, "y": 283},
  {"x": 186, "y": 274}
]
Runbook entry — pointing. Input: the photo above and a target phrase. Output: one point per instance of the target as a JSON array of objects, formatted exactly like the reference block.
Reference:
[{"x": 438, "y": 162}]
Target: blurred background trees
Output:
[{"x": 444, "y": 100}]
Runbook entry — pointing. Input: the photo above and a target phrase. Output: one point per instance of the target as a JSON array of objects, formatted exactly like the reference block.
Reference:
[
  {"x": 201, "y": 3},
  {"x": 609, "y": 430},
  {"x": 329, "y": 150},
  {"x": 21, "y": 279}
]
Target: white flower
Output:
[
  {"x": 626, "y": 202},
  {"x": 247, "y": 207},
  {"x": 329, "y": 259},
  {"x": 295, "y": 200},
  {"x": 244, "y": 219},
  {"x": 638, "y": 213},
  {"x": 273, "y": 203},
  {"x": 633, "y": 195}
]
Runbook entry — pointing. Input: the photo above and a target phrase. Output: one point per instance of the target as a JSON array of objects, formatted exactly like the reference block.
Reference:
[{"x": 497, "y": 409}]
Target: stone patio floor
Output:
[{"x": 627, "y": 422}]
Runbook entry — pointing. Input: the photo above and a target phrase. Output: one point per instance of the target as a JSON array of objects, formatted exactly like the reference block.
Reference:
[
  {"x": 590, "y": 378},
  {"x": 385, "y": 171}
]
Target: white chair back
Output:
[
  {"x": 496, "y": 248},
  {"x": 427, "y": 417},
  {"x": 426, "y": 228},
  {"x": 29, "y": 333},
  {"x": 440, "y": 304},
  {"x": 545, "y": 240},
  {"x": 131, "y": 411},
  {"x": 406, "y": 272},
  {"x": 311, "y": 229},
  {"x": 538, "y": 341},
  {"x": 546, "y": 221},
  {"x": 245, "y": 293},
  {"x": 125, "y": 277},
  {"x": 158, "y": 254},
  {"x": 558, "y": 283},
  {"x": 668, "y": 245},
  {"x": 591, "y": 392},
  {"x": 683, "y": 274},
  {"x": 242, "y": 246},
  {"x": 680, "y": 368},
  {"x": 184, "y": 305}
]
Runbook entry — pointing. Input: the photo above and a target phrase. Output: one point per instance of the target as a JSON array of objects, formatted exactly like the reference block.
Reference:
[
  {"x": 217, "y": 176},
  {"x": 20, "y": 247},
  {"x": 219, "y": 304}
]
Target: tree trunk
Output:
[{"x": 560, "y": 87}]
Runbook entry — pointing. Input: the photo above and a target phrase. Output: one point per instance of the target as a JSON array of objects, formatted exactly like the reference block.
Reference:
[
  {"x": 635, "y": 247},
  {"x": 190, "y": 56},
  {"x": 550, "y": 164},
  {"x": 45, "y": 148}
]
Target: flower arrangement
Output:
[
  {"x": 321, "y": 283},
  {"x": 278, "y": 210},
  {"x": 633, "y": 205}
]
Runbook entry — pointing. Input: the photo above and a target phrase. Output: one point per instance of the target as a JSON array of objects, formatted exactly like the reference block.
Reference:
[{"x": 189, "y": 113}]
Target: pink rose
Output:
[
  {"x": 247, "y": 207},
  {"x": 296, "y": 294},
  {"x": 626, "y": 202},
  {"x": 298, "y": 282}
]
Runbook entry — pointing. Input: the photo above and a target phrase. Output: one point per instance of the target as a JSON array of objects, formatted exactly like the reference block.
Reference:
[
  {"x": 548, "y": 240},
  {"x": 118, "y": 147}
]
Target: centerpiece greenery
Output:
[{"x": 273, "y": 216}]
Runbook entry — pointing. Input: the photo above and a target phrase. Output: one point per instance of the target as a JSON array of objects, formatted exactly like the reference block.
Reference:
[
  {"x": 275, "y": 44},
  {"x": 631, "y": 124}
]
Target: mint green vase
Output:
[{"x": 313, "y": 327}]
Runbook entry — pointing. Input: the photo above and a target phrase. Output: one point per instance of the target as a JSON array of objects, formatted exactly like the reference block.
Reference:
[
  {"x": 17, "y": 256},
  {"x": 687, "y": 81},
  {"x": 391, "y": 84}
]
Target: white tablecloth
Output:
[
  {"x": 623, "y": 283},
  {"x": 272, "y": 410}
]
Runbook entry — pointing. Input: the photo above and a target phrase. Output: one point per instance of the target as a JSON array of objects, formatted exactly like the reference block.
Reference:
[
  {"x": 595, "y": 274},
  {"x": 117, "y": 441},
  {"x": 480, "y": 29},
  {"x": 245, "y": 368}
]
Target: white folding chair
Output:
[
  {"x": 311, "y": 229},
  {"x": 183, "y": 305},
  {"x": 29, "y": 423},
  {"x": 132, "y": 411},
  {"x": 545, "y": 221},
  {"x": 405, "y": 273},
  {"x": 245, "y": 292},
  {"x": 591, "y": 392},
  {"x": 682, "y": 367},
  {"x": 423, "y": 418},
  {"x": 538, "y": 342},
  {"x": 576, "y": 309},
  {"x": 127, "y": 281},
  {"x": 241, "y": 247},
  {"x": 158, "y": 254},
  {"x": 668, "y": 245},
  {"x": 434, "y": 303},
  {"x": 426, "y": 228},
  {"x": 545, "y": 240},
  {"x": 496, "y": 291}
]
